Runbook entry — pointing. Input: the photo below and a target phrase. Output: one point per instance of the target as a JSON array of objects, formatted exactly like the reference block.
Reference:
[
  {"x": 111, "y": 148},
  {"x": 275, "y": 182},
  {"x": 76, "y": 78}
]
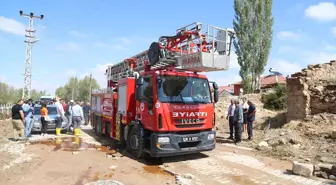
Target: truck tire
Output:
[
  {"x": 135, "y": 143},
  {"x": 122, "y": 142},
  {"x": 98, "y": 129}
]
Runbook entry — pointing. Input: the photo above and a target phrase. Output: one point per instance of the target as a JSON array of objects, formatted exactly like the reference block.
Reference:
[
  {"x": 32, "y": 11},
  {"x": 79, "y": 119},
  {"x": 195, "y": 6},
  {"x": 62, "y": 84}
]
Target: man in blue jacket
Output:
[
  {"x": 238, "y": 121},
  {"x": 28, "y": 111}
]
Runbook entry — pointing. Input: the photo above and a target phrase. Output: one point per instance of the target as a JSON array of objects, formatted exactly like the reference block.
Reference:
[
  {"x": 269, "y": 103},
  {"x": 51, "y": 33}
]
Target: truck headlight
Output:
[
  {"x": 211, "y": 136},
  {"x": 163, "y": 140}
]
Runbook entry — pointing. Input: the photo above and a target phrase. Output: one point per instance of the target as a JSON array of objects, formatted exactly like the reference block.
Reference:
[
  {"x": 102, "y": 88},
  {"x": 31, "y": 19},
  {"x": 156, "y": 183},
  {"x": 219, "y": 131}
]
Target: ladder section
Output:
[{"x": 198, "y": 47}]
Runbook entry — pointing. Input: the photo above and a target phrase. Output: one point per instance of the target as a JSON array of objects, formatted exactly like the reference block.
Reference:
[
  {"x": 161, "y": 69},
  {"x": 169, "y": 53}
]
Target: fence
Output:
[{"x": 6, "y": 109}]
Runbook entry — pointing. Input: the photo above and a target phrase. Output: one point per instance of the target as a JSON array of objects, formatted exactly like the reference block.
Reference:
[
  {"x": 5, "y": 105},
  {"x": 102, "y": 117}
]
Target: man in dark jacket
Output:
[
  {"x": 250, "y": 119},
  {"x": 238, "y": 118},
  {"x": 68, "y": 114}
]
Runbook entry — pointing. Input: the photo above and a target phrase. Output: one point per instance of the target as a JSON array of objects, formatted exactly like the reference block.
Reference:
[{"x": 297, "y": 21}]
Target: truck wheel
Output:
[
  {"x": 98, "y": 130},
  {"x": 122, "y": 143},
  {"x": 135, "y": 143}
]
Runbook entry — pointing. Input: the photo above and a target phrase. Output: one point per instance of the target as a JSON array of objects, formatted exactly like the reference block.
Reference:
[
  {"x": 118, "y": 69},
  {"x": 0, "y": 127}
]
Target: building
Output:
[
  {"x": 266, "y": 82},
  {"x": 224, "y": 89}
]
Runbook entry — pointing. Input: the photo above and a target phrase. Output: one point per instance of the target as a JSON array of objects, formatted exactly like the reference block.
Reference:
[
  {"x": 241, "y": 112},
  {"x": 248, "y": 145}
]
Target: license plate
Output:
[{"x": 189, "y": 139}]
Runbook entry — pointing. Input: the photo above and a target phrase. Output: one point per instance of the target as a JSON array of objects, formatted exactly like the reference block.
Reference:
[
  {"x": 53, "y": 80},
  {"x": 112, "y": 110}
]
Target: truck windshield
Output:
[{"x": 179, "y": 89}]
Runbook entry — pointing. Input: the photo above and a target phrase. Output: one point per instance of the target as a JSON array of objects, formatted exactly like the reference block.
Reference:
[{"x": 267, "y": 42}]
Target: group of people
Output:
[
  {"x": 23, "y": 113},
  {"x": 241, "y": 118}
]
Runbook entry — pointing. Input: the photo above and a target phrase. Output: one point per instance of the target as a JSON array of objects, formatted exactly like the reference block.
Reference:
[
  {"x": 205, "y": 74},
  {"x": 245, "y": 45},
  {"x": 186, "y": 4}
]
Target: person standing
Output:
[
  {"x": 86, "y": 111},
  {"x": 250, "y": 119},
  {"x": 245, "y": 107},
  {"x": 68, "y": 114},
  {"x": 18, "y": 120},
  {"x": 60, "y": 115},
  {"x": 28, "y": 111},
  {"x": 63, "y": 104},
  {"x": 44, "y": 119},
  {"x": 77, "y": 117},
  {"x": 229, "y": 117},
  {"x": 238, "y": 120}
]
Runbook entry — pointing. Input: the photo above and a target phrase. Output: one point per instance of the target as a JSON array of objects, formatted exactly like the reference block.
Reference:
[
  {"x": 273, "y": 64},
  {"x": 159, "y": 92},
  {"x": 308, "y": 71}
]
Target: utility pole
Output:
[{"x": 30, "y": 40}]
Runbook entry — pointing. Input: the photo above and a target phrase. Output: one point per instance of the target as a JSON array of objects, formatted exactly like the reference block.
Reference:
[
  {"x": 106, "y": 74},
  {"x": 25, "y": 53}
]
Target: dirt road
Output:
[{"x": 67, "y": 160}]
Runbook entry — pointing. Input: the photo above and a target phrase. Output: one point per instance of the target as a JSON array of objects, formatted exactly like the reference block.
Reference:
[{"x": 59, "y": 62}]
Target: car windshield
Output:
[
  {"x": 46, "y": 99},
  {"x": 179, "y": 89},
  {"x": 51, "y": 110}
]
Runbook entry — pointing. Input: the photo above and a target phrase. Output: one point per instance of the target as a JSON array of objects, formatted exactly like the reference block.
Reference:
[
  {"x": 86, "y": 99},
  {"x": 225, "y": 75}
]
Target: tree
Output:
[
  {"x": 77, "y": 89},
  {"x": 253, "y": 26},
  {"x": 9, "y": 95}
]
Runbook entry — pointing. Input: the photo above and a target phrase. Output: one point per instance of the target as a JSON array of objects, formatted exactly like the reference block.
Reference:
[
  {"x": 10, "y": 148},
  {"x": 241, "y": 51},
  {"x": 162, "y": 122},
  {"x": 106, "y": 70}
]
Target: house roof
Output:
[
  {"x": 268, "y": 80},
  {"x": 224, "y": 88}
]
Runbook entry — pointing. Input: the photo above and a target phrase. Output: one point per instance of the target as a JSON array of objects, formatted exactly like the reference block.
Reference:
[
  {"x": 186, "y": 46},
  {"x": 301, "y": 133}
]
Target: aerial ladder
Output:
[{"x": 196, "y": 47}]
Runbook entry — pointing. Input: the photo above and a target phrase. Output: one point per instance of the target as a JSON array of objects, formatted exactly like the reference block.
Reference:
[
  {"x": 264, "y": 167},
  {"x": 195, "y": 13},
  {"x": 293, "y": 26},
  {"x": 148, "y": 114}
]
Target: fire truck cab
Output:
[{"x": 157, "y": 102}]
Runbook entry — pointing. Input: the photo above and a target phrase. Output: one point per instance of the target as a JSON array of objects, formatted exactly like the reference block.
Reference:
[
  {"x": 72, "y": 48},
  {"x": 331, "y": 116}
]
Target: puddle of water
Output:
[
  {"x": 155, "y": 169},
  {"x": 101, "y": 176},
  {"x": 71, "y": 144},
  {"x": 96, "y": 176},
  {"x": 242, "y": 180}
]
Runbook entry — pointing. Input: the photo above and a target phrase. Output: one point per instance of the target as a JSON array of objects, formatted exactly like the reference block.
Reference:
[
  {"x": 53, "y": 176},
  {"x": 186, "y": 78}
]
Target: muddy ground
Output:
[
  {"x": 306, "y": 140},
  {"x": 88, "y": 159}
]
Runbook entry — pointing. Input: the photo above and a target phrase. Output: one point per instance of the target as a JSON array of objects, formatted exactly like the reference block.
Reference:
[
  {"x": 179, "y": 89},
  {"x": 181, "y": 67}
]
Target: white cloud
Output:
[
  {"x": 234, "y": 61},
  {"x": 333, "y": 31},
  {"x": 223, "y": 78},
  {"x": 11, "y": 26},
  {"x": 68, "y": 46},
  {"x": 324, "y": 11},
  {"x": 320, "y": 57},
  {"x": 283, "y": 66},
  {"x": 44, "y": 86},
  {"x": 76, "y": 33},
  {"x": 283, "y": 35},
  {"x": 71, "y": 72},
  {"x": 285, "y": 49},
  {"x": 3, "y": 78},
  {"x": 98, "y": 73},
  {"x": 123, "y": 43}
]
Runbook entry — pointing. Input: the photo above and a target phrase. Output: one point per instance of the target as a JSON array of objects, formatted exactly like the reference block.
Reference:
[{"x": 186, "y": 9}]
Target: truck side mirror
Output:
[
  {"x": 216, "y": 96},
  {"x": 139, "y": 81},
  {"x": 215, "y": 86},
  {"x": 138, "y": 93}
]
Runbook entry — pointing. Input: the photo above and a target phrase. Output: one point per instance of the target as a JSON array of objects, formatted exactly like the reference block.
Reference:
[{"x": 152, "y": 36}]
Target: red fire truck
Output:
[{"x": 158, "y": 102}]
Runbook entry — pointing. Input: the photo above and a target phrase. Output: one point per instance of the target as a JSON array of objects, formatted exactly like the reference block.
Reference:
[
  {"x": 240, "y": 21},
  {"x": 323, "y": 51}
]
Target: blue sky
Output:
[{"x": 80, "y": 37}]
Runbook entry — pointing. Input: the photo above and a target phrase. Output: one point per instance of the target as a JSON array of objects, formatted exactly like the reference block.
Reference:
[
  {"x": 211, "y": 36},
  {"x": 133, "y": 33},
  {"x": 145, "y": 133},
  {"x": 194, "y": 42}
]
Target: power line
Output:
[{"x": 30, "y": 40}]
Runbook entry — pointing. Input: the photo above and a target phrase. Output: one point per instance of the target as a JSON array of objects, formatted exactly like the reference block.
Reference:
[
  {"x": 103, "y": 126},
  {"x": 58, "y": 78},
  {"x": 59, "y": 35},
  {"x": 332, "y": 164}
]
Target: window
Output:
[
  {"x": 148, "y": 89},
  {"x": 51, "y": 111},
  {"x": 179, "y": 89}
]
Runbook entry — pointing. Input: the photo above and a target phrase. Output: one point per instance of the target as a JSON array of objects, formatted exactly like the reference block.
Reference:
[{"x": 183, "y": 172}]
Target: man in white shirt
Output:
[
  {"x": 60, "y": 113},
  {"x": 229, "y": 117},
  {"x": 77, "y": 117}
]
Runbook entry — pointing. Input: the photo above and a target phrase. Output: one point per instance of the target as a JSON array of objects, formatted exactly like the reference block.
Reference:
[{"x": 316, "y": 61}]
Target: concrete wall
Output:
[{"x": 312, "y": 91}]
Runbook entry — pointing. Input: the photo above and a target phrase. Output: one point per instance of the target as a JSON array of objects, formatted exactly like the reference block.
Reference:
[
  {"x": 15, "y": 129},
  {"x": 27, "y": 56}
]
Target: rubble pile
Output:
[
  {"x": 323, "y": 170},
  {"x": 312, "y": 91}
]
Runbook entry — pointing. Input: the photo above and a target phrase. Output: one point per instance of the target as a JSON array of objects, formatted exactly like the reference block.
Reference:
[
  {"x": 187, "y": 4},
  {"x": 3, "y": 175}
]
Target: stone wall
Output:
[{"x": 312, "y": 91}]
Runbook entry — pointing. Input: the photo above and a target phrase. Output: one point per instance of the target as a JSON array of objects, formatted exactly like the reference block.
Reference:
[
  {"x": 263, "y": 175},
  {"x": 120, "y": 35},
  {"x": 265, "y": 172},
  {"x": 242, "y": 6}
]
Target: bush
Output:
[{"x": 276, "y": 100}]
